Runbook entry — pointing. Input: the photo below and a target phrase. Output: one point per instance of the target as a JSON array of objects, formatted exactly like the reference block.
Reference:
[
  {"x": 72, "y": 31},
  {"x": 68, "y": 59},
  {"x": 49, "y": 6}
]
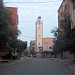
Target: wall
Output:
[{"x": 14, "y": 18}]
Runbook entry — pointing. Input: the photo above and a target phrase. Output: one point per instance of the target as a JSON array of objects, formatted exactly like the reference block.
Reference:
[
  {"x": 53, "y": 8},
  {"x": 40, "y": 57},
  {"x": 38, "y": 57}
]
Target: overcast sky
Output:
[{"x": 28, "y": 12}]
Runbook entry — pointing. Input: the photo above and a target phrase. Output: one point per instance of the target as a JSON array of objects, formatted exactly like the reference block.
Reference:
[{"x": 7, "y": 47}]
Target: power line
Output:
[
  {"x": 27, "y": 36},
  {"x": 31, "y": 2},
  {"x": 35, "y": 21},
  {"x": 26, "y": 21}
]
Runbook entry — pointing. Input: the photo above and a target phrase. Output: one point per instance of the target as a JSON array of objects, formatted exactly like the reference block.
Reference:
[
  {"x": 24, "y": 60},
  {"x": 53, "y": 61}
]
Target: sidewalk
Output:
[
  {"x": 11, "y": 62},
  {"x": 67, "y": 62}
]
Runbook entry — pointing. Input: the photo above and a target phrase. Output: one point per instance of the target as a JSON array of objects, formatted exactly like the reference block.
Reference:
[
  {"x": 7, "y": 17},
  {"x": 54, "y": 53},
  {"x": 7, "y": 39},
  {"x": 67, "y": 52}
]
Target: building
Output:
[
  {"x": 47, "y": 47},
  {"x": 68, "y": 7},
  {"x": 14, "y": 17},
  {"x": 39, "y": 36},
  {"x": 72, "y": 13},
  {"x": 32, "y": 45},
  {"x": 42, "y": 46},
  {"x": 64, "y": 8},
  {"x": 27, "y": 51},
  {"x": 47, "y": 51}
]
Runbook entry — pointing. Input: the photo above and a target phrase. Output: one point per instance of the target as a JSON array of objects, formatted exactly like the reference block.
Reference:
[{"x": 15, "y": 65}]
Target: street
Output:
[{"x": 35, "y": 66}]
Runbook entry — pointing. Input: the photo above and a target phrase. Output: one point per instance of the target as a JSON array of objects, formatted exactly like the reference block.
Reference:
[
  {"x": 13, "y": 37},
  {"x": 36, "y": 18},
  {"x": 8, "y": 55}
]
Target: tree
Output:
[
  {"x": 19, "y": 45},
  {"x": 63, "y": 36},
  {"x": 5, "y": 22},
  {"x": 32, "y": 52},
  {"x": 4, "y": 30},
  {"x": 57, "y": 45},
  {"x": 55, "y": 32}
]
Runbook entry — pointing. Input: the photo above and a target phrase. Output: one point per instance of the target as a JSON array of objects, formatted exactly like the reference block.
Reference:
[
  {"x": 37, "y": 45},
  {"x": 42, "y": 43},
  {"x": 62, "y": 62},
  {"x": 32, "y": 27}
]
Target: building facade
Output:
[
  {"x": 47, "y": 47},
  {"x": 68, "y": 7},
  {"x": 43, "y": 46},
  {"x": 47, "y": 51},
  {"x": 32, "y": 45},
  {"x": 39, "y": 36},
  {"x": 64, "y": 8},
  {"x": 14, "y": 17},
  {"x": 72, "y": 12}
]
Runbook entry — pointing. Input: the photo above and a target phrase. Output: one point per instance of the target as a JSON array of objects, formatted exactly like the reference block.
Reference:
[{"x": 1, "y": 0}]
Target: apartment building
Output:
[
  {"x": 32, "y": 45},
  {"x": 64, "y": 8},
  {"x": 14, "y": 17},
  {"x": 72, "y": 12},
  {"x": 68, "y": 7}
]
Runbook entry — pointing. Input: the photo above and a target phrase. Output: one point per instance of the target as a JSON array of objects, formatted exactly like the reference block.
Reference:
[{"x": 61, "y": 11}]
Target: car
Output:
[
  {"x": 29, "y": 55},
  {"x": 15, "y": 56},
  {"x": 34, "y": 55}
]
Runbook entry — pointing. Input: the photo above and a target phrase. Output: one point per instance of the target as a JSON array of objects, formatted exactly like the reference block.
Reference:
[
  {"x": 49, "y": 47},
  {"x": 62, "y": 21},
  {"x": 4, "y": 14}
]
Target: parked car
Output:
[
  {"x": 29, "y": 55},
  {"x": 34, "y": 55},
  {"x": 15, "y": 56}
]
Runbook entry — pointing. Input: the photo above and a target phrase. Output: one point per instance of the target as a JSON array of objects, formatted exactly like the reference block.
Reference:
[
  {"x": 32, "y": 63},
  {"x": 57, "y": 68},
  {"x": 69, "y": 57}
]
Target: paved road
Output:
[{"x": 35, "y": 66}]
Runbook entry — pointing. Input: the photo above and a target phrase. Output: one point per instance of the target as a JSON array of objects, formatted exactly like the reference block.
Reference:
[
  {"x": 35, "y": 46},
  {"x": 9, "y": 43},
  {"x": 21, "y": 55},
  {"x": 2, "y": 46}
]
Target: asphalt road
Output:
[{"x": 35, "y": 66}]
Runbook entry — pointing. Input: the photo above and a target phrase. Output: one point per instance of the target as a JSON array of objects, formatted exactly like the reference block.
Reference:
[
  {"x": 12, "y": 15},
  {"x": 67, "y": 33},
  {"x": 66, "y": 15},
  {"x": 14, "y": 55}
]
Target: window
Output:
[
  {"x": 39, "y": 35},
  {"x": 61, "y": 13},
  {"x": 65, "y": 9},
  {"x": 74, "y": 4},
  {"x": 45, "y": 42},
  {"x": 50, "y": 47},
  {"x": 39, "y": 48},
  {"x": 11, "y": 12},
  {"x": 33, "y": 44},
  {"x": 39, "y": 22},
  {"x": 39, "y": 27}
]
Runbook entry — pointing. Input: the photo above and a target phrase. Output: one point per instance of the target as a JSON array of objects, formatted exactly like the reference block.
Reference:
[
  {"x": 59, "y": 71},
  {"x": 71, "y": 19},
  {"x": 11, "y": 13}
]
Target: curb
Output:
[
  {"x": 66, "y": 63},
  {"x": 11, "y": 62}
]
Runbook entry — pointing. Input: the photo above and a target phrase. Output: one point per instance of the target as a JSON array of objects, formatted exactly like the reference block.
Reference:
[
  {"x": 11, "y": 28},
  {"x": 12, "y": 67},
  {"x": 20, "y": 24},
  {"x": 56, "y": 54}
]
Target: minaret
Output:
[{"x": 39, "y": 35}]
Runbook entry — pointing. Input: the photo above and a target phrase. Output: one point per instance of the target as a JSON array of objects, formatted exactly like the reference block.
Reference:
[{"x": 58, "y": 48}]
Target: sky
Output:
[{"x": 28, "y": 12}]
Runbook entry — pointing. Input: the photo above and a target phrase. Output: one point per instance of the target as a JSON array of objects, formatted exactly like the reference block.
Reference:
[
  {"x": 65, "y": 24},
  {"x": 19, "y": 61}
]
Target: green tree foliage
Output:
[
  {"x": 65, "y": 25},
  {"x": 5, "y": 32},
  {"x": 63, "y": 39},
  {"x": 65, "y": 34},
  {"x": 71, "y": 45},
  {"x": 32, "y": 52},
  {"x": 56, "y": 47},
  {"x": 55, "y": 32},
  {"x": 20, "y": 45}
]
